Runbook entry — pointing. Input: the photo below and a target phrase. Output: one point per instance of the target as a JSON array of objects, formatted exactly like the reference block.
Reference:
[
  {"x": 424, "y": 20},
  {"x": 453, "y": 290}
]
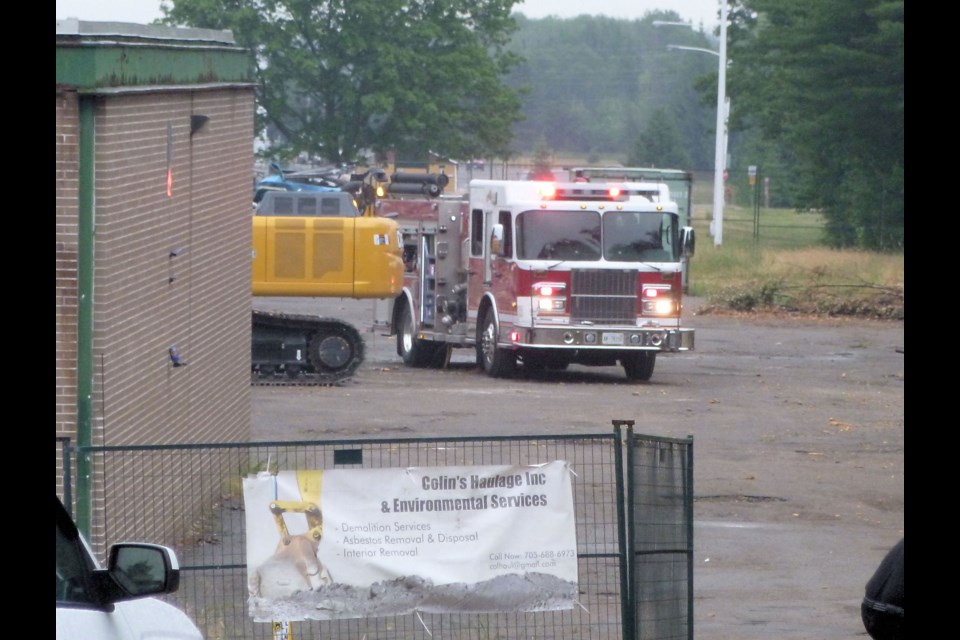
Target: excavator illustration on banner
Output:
[{"x": 294, "y": 565}]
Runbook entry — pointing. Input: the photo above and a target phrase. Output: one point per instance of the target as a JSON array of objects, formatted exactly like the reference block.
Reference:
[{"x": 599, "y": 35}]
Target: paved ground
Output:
[{"x": 798, "y": 430}]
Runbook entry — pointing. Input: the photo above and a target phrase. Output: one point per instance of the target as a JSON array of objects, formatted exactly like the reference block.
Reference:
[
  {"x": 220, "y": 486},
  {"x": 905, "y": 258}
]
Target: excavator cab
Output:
[{"x": 319, "y": 244}]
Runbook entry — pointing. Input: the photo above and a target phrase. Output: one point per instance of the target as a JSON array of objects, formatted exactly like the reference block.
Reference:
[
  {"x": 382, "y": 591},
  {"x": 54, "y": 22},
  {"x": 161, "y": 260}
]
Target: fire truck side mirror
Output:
[
  {"x": 496, "y": 240},
  {"x": 688, "y": 241}
]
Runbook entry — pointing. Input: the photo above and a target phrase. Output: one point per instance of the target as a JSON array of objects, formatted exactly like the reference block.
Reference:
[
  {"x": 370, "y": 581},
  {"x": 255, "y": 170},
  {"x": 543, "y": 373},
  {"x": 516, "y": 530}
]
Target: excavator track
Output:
[
  {"x": 303, "y": 350},
  {"x": 258, "y": 379}
]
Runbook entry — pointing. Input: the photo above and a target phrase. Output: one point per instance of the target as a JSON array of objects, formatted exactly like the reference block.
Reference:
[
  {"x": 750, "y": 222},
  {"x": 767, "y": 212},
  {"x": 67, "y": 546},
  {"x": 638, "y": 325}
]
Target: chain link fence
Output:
[{"x": 633, "y": 514}]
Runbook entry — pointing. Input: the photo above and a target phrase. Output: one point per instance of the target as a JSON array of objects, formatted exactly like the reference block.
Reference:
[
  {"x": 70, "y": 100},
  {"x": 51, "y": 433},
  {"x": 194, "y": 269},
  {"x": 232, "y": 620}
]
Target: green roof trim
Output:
[{"x": 93, "y": 56}]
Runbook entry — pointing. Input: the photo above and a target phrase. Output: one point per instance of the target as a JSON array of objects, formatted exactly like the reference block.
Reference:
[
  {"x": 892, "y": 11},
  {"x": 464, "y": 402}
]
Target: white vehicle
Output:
[
  {"x": 541, "y": 275},
  {"x": 116, "y": 603}
]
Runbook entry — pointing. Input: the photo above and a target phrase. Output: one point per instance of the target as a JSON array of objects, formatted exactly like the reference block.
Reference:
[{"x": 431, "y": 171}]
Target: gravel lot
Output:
[{"x": 798, "y": 428}]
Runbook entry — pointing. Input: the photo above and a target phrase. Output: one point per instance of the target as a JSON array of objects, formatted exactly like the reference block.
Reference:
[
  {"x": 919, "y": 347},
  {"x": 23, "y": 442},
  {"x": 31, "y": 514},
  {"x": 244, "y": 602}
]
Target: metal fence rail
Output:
[
  {"x": 660, "y": 473},
  {"x": 206, "y": 527}
]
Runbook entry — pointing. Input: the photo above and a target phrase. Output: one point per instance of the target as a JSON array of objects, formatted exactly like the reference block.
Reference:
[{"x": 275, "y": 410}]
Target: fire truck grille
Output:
[{"x": 603, "y": 296}]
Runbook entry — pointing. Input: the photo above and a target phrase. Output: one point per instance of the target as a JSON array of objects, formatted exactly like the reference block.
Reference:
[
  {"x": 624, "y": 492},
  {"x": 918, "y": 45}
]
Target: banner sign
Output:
[{"x": 354, "y": 543}]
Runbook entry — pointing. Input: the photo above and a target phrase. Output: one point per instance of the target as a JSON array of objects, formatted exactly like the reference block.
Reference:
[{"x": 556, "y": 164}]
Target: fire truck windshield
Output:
[
  {"x": 576, "y": 235},
  {"x": 558, "y": 235},
  {"x": 640, "y": 237}
]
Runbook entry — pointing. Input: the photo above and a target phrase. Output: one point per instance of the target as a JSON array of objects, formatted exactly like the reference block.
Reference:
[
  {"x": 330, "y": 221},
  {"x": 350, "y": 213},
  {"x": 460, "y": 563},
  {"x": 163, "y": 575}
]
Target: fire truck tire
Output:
[
  {"x": 498, "y": 363},
  {"x": 639, "y": 366},
  {"x": 414, "y": 352}
]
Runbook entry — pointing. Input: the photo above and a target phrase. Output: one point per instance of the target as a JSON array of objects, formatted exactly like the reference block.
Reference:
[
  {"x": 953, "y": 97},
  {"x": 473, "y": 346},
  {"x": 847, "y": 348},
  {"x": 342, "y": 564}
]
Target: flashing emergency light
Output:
[
  {"x": 547, "y": 289},
  {"x": 551, "y": 297},
  {"x": 547, "y": 190},
  {"x": 614, "y": 192}
]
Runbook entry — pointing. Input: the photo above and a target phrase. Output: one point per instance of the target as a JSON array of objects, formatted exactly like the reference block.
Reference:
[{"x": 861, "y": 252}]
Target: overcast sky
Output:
[{"x": 695, "y": 11}]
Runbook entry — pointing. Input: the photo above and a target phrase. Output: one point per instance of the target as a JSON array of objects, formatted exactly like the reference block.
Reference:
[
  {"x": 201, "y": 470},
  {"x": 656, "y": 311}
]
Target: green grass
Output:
[
  {"x": 776, "y": 260},
  {"x": 779, "y": 262}
]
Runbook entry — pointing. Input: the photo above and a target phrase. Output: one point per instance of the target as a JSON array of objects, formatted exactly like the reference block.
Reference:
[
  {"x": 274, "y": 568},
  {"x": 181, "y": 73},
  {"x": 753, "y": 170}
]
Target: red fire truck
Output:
[{"x": 539, "y": 275}]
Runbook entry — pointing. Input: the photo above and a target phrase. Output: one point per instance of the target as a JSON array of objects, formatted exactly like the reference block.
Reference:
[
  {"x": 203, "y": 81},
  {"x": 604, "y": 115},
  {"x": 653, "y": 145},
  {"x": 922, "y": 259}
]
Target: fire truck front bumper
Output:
[{"x": 641, "y": 339}]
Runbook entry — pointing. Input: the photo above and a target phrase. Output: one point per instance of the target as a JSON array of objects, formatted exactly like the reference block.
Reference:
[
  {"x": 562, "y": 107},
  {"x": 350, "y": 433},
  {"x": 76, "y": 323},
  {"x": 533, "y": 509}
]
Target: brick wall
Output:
[
  {"x": 66, "y": 263},
  {"x": 148, "y": 300},
  {"x": 145, "y": 299}
]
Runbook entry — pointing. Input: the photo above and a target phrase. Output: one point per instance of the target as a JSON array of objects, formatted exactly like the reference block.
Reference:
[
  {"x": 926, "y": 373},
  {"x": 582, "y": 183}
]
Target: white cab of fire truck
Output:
[{"x": 543, "y": 275}]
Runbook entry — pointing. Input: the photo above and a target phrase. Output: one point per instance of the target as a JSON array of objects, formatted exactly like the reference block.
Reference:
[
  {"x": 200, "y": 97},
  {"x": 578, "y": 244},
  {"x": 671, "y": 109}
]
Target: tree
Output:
[
  {"x": 826, "y": 80},
  {"x": 339, "y": 77},
  {"x": 659, "y": 145},
  {"x": 542, "y": 168},
  {"x": 594, "y": 82}
]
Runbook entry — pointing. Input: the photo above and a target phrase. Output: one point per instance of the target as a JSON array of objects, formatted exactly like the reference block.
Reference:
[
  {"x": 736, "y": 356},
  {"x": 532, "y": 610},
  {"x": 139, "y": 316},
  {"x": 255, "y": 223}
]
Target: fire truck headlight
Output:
[
  {"x": 552, "y": 305},
  {"x": 551, "y": 297},
  {"x": 661, "y": 306}
]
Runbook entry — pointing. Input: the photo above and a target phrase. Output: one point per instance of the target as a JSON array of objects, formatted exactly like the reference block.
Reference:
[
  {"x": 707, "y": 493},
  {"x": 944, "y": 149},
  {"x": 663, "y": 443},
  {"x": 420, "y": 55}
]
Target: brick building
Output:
[{"x": 154, "y": 174}]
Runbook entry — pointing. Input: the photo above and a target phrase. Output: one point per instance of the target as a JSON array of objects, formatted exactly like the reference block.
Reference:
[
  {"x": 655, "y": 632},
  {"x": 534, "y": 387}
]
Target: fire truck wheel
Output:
[
  {"x": 498, "y": 363},
  {"x": 414, "y": 352},
  {"x": 639, "y": 365}
]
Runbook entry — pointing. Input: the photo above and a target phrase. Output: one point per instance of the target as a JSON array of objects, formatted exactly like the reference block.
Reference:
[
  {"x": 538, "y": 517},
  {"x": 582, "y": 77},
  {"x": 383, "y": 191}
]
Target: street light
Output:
[
  {"x": 680, "y": 46},
  {"x": 720, "y": 156}
]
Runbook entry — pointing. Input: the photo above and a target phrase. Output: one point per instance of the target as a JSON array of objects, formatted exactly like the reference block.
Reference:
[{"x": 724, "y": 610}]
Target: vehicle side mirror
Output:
[
  {"x": 142, "y": 570},
  {"x": 688, "y": 242}
]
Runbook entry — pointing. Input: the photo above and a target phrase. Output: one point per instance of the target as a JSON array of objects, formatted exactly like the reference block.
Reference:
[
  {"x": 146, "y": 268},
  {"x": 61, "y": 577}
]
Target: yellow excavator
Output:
[{"x": 318, "y": 241}]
